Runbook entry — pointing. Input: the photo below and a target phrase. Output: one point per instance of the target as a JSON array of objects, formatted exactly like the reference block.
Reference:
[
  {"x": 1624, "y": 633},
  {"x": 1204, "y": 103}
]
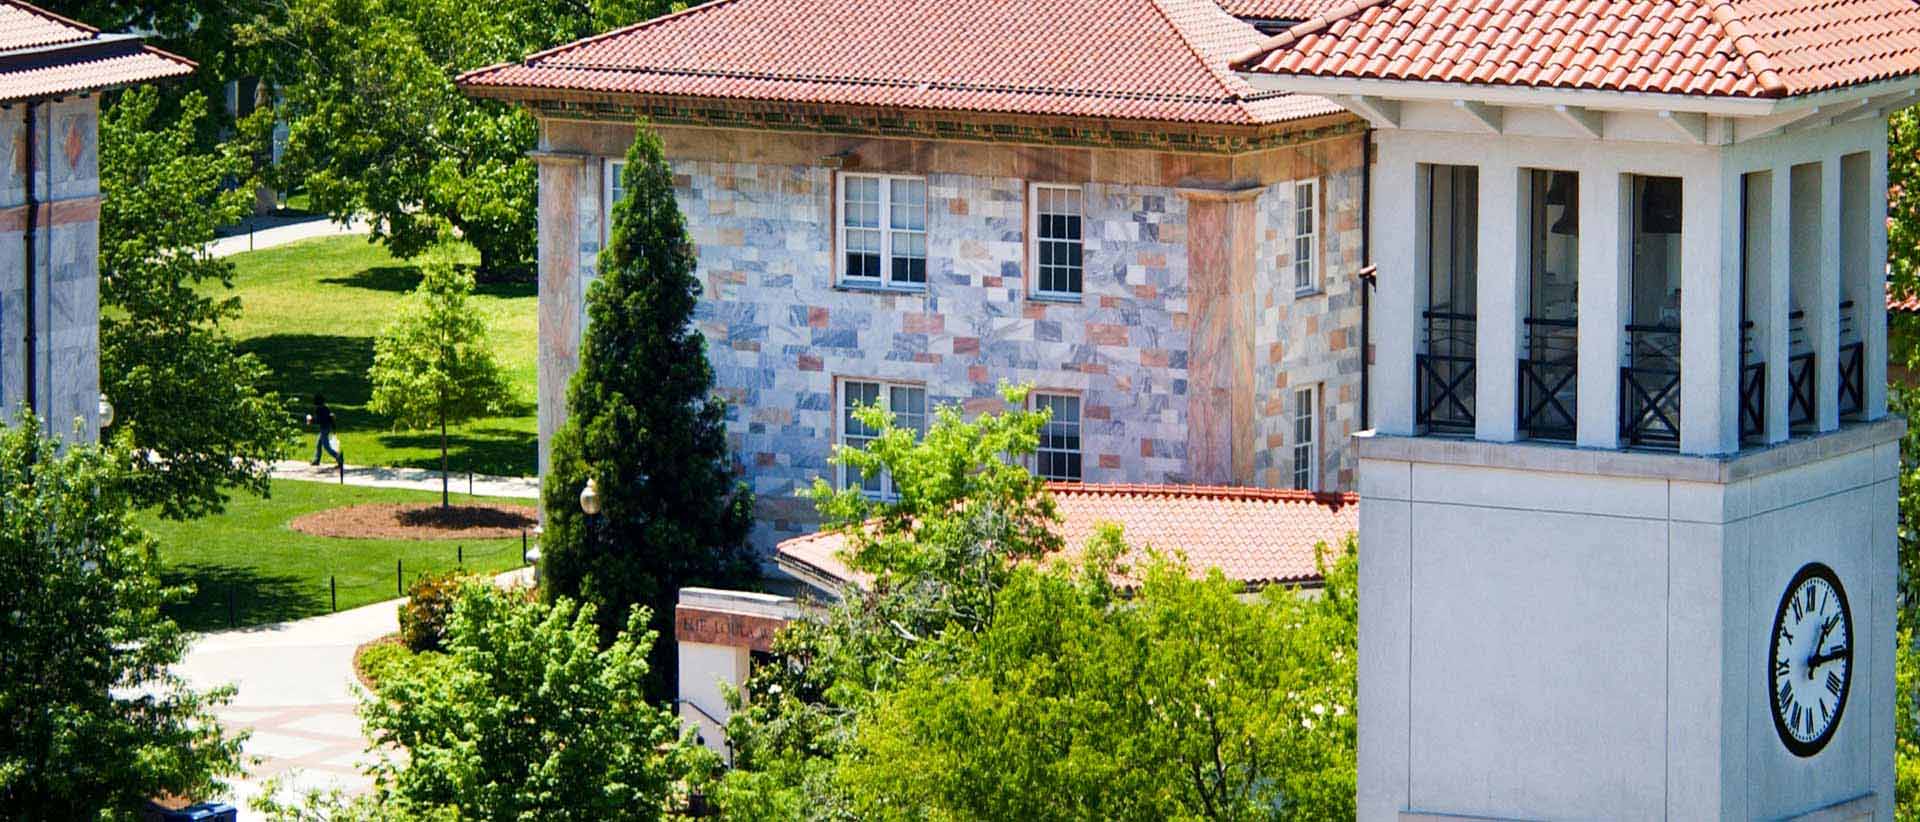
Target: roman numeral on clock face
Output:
[{"x": 1834, "y": 684}]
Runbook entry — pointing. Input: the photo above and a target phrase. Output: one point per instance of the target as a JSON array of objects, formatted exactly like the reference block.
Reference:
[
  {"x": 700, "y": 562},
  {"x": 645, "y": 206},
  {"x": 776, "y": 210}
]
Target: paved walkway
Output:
[
  {"x": 298, "y": 694},
  {"x": 419, "y": 479},
  {"x": 271, "y": 231}
]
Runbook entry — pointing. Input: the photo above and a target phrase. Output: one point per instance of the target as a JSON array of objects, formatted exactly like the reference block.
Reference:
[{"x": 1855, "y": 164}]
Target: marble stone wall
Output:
[
  {"x": 782, "y": 333},
  {"x": 66, "y": 271}
]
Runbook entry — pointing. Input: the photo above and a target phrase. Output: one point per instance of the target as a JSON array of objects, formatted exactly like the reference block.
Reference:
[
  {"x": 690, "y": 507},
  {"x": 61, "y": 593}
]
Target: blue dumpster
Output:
[{"x": 203, "y": 812}]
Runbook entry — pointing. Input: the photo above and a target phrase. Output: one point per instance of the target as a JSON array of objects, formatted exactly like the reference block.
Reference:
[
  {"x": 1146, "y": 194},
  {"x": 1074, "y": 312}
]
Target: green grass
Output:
[
  {"x": 273, "y": 573},
  {"x": 311, "y": 311}
]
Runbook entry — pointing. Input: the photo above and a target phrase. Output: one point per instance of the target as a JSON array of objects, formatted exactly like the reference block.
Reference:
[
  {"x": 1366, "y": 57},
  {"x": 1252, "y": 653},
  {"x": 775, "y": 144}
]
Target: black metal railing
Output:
[
  {"x": 1444, "y": 375},
  {"x": 1802, "y": 375},
  {"x": 1650, "y": 387},
  {"x": 1853, "y": 366},
  {"x": 1753, "y": 402},
  {"x": 1550, "y": 379}
]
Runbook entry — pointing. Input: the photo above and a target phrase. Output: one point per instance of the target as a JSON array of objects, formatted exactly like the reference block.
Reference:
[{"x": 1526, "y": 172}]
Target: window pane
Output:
[
  {"x": 909, "y": 257},
  {"x": 1058, "y": 246},
  {"x": 862, "y": 206},
  {"x": 1059, "y": 450},
  {"x": 856, "y": 434},
  {"x": 909, "y": 204},
  {"x": 1304, "y": 444},
  {"x": 909, "y": 406}
]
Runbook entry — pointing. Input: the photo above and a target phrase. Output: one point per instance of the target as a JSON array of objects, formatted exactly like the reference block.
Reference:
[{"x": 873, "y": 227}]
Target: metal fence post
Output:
[
  {"x": 399, "y": 588},
  {"x": 459, "y": 556},
  {"x": 333, "y": 590}
]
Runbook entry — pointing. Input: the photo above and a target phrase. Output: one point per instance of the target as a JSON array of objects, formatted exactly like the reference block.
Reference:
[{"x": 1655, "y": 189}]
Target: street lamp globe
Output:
[
  {"x": 590, "y": 498},
  {"x": 106, "y": 412}
]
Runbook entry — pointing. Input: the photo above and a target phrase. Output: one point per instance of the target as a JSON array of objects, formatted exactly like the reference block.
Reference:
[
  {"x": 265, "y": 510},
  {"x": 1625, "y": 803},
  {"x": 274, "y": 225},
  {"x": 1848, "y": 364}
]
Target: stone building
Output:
[
  {"x": 51, "y": 70},
  {"x": 911, "y": 201}
]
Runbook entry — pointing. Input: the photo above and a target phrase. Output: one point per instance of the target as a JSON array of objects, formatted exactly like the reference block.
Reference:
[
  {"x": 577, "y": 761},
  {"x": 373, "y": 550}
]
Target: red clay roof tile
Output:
[
  {"x": 1735, "y": 48},
  {"x": 1132, "y": 59},
  {"x": 43, "y": 54},
  {"x": 1256, "y": 536}
]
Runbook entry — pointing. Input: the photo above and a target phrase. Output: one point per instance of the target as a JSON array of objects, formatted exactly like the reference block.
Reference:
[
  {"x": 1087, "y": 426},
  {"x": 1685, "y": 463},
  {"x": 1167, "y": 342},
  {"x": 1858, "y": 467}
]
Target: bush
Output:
[{"x": 423, "y": 617}]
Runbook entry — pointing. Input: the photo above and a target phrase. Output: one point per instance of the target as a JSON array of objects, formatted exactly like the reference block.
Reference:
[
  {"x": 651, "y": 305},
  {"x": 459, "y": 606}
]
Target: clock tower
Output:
[{"x": 1627, "y": 542}]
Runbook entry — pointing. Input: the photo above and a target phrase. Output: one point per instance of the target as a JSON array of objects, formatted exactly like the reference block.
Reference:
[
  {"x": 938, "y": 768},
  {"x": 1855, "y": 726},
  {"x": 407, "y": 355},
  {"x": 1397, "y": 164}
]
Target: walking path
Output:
[
  {"x": 270, "y": 231},
  {"x": 297, "y": 693},
  {"x": 416, "y": 478}
]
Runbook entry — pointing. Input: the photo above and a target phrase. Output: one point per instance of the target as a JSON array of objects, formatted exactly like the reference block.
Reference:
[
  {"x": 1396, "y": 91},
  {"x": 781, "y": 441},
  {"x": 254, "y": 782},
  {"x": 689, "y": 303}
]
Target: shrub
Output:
[{"x": 423, "y": 617}]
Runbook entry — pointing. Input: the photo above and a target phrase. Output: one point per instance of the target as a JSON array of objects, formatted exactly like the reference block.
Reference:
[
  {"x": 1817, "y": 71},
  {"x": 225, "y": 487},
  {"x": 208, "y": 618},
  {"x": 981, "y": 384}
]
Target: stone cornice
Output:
[{"x": 945, "y": 125}]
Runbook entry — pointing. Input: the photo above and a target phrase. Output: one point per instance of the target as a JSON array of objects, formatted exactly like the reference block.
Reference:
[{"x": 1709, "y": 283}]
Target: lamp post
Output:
[
  {"x": 590, "y": 505},
  {"x": 106, "y": 412}
]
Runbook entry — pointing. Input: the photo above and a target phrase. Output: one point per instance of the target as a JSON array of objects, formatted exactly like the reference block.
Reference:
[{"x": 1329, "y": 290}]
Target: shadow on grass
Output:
[
  {"x": 498, "y": 451},
  {"x": 228, "y": 597},
  {"x": 305, "y": 364},
  {"x": 401, "y": 279}
]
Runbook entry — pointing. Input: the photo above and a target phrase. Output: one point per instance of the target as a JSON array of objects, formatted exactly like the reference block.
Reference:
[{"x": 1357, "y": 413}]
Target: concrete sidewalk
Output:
[
  {"x": 297, "y": 693},
  {"x": 272, "y": 232},
  {"x": 419, "y": 479}
]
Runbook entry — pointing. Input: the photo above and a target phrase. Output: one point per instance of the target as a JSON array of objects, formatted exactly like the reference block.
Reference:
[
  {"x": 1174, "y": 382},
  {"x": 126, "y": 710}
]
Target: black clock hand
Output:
[{"x": 1817, "y": 660}]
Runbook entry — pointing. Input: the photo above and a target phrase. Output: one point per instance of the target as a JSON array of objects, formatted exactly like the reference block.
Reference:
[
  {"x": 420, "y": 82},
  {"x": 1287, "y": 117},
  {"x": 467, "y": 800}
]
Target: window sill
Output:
[
  {"x": 877, "y": 288},
  {"x": 1069, "y": 299},
  {"x": 1304, "y": 293}
]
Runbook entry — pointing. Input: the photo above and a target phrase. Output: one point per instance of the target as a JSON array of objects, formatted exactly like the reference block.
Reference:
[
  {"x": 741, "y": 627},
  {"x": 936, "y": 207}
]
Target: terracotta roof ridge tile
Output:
[
  {"x": 1313, "y": 25},
  {"x": 945, "y": 85},
  {"x": 1230, "y": 85},
  {"x": 1751, "y": 53},
  {"x": 643, "y": 24},
  {"x": 1176, "y": 491}
]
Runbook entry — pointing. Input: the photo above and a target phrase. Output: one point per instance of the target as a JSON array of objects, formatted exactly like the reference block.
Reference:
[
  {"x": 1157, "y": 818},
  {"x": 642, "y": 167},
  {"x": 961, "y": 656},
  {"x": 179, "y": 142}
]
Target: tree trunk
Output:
[{"x": 444, "y": 504}]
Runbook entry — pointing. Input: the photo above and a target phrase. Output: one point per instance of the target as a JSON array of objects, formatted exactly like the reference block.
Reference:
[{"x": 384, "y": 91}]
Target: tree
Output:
[
  {"x": 92, "y": 721},
  {"x": 432, "y": 365},
  {"x": 376, "y": 125},
  {"x": 1181, "y": 700},
  {"x": 194, "y": 403},
  {"x": 970, "y": 679},
  {"x": 530, "y": 719},
  {"x": 644, "y": 426}
]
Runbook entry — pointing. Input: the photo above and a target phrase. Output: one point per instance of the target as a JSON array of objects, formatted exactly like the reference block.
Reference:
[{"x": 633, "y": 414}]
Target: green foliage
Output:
[
  {"x": 376, "y": 124},
  {"x": 433, "y": 365},
  {"x": 1903, "y": 202},
  {"x": 92, "y": 721},
  {"x": 194, "y": 404},
  {"x": 423, "y": 617},
  {"x": 1905, "y": 401},
  {"x": 970, "y": 679},
  {"x": 1182, "y": 701},
  {"x": 644, "y": 426},
  {"x": 529, "y": 719}
]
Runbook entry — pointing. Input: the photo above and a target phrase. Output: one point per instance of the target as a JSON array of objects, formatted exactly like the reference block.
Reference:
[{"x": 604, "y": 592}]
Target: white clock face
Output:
[{"x": 1811, "y": 667}]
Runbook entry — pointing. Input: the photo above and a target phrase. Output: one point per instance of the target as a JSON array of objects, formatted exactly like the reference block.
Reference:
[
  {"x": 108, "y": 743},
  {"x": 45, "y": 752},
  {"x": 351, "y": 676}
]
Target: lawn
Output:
[
  {"x": 311, "y": 310},
  {"x": 273, "y": 573}
]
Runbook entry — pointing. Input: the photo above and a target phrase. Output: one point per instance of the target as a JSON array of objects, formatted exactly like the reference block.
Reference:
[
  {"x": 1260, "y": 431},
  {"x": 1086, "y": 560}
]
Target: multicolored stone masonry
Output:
[{"x": 1183, "y": 347}]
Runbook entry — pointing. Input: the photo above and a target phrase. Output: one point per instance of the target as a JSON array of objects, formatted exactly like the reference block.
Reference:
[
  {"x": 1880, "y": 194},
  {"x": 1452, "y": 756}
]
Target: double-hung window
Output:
[
  {"x": 1058, "y": 457},
  {"x": 907, "y": 404},
  {"x": 616, "y": 190},
  {"x": 1306, "y": 236},
  {"x": 1306, "y": 444},
  {"x": 883, "y": 231},
  {"x": 1057, "y": 247}
]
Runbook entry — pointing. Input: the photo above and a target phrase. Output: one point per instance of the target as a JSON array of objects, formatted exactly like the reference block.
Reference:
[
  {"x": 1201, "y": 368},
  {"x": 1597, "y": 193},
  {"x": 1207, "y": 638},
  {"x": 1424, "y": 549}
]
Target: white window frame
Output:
[
  {"x": 610, "y": 171},
  {"x": 887, "y": 232},
  {"x": 1306, "y": 280},
  {"x": 1079, "y": 434},
  {"x": 1306, "y": 443},
  {"x": 885, "y": 397},
  {"x": 1034, "y": 192}
]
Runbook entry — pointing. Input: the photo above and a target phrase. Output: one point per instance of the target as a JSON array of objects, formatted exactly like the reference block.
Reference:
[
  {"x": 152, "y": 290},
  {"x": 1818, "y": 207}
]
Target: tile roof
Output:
[
  {"x": 44, "y": 55},
  {"x": 1130, "y": 59},
  {"x": 1722, "y": 48},
  {"x": 1278, "y": 9},
  {"x": 1908, "y": 304},
  {"x": 1253, "y": 535}
]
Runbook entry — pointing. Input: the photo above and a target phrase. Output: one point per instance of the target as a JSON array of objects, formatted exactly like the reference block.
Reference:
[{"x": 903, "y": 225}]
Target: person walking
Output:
[{"x": 323, "y": 417}]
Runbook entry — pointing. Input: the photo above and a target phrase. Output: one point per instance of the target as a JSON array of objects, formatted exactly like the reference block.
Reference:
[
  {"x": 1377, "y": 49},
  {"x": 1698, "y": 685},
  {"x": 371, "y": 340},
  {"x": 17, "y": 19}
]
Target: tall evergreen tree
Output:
[{"x": 644, "y": 426}]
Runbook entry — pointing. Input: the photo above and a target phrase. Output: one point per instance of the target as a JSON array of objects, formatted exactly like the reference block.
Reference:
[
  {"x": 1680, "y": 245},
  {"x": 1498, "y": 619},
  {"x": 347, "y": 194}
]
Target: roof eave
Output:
[{"x": 1335, "y": 88}]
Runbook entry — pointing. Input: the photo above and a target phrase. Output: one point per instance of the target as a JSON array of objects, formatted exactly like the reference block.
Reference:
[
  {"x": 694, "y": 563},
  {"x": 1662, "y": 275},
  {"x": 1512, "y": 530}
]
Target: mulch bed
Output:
[{"x": 419, "y": 520}]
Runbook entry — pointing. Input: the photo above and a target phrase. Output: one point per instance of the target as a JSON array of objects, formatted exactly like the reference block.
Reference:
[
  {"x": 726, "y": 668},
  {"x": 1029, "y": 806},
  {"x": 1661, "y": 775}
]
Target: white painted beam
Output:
[
  {"x": 1488, "y": 116},
  {"x": 1584, "y": 120},
  {"x": 1379, "y": 111},
  {"x": 1691, "y": 126}
]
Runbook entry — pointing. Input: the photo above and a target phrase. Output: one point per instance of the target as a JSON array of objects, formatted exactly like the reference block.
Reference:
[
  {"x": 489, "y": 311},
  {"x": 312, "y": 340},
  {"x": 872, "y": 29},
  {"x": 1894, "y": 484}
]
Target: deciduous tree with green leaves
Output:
[
  {"x": 971, "y": 678},
  {"x": 92, "y": 721},
  {"x": 377, "y": 127},
  {"x": 644, "y": 425},
  {"x": 196, "y": 406},
  {"x": 432, "y": 366}
]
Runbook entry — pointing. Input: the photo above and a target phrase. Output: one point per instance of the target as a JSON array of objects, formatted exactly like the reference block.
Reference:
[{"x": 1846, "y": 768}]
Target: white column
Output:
[
  {"x": 1823, "y": 306},
  {"x": 1398, "y": 207},
  {"x": 1870, "y": 306},
  {"x": 1710, "y": 315},
  {"x": 1603, "y": 306},
  {"x": 1774, "y": 333},
  {"x": 1498, "y": 305}
]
